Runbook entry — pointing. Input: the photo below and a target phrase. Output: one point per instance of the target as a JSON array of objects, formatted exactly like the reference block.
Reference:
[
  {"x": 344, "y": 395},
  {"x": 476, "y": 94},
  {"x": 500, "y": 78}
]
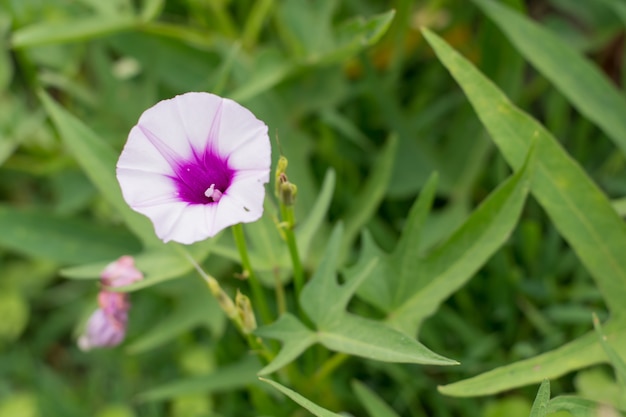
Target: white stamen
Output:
[{"x": 213, "y": 193}]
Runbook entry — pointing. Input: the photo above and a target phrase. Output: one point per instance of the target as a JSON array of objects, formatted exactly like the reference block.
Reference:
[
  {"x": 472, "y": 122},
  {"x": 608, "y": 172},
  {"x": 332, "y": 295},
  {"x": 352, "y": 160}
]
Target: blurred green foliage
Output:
[{"x": 358, "y": 102}]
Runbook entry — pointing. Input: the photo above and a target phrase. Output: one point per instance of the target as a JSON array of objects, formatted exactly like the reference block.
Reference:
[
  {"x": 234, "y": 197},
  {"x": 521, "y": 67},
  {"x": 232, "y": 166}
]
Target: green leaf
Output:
[
  {"x": 372, "y": 193},
  {"x": 410, "y": 288},
  {"x": 384, "y": 288},
  {"x": 296, "y": 337},
  {"x": 18, "y": 123},
  {"x": 355, "y": 35},
  {"x": 618, "y": 6},
  {"x": 374, "y": 405},
  {"x": 306, "y": 230},
  {"x": 227, "y": 378},
  {"x": 326, "y": 47},
  {"x": 194, "y": 307},
  {"x": 66, "y": 240},
  {"x": 263, "y": 76},
  {"x": 452, "y": 264},
  {"x": 48, "y": 33},
  {"x": 616, "y": 361},
  {"x": 579, "y": 210},
  {"x": 158, "y": 265},
  {"x": 324, "y": 300},
  {"x": 151, "y": 9},
  {"x": 579, "y": 407},
  {"x": 584, "y": 84},
  {"x": 98, "y": 161},
  {"x": 375, "y": 340},
  {"x": 312, "y": 407},
  {"x": 16, "y": 312},
  {"x": 540, "y": 406},
  {"x": 580, "y": 353},
  {"x": 6, "y": 65},
  {"x": 257, "y": 16}
]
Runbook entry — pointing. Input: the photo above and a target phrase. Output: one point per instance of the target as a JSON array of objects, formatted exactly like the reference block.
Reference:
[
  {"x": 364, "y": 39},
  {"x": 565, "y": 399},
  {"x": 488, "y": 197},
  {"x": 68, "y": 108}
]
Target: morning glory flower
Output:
[
  {"x": 106, "y": 326},
  {"x": 196, "y": 164}
]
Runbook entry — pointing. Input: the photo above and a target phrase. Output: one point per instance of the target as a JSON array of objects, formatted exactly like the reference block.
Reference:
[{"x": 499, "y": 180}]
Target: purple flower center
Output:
[{"x": 203, "y": 179}]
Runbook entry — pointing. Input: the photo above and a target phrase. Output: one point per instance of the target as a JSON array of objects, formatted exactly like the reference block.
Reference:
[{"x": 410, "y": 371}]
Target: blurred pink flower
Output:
[
  {"x": 195, "y": 164},
  {"x": 121, "y": 272},
  {"x": 107, "y": 325},
  {"x": 104, "y": 330}
]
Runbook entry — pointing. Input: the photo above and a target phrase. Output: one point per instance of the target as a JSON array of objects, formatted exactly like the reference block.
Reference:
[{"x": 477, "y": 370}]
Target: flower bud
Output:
[
  {"x": 104, "y": 330},
  {"x": 121, "y": 272},
  {"x": 244, "y": 309}
]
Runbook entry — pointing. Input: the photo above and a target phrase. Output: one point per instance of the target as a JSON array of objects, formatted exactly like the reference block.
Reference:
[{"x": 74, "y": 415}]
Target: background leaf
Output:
[
  {"x": 415, "y": 286},
  {"x": 98, "y": 160},
  {"x": 579, "y": 407},
  {"x": 313, "y": 408},
  {"x": 324, "y": 302},
  {"x": 374, "y": 405},
  {"x": 225, "y": 378},
  {"x": 563, "y": 189},
  {"x": 540, "y": 406},
  {"x": 579, "y": 210},
  {"x": 586, "y": 87},
  {"x": 71, "y": 31},
  {"x": 67, "y": 240}
]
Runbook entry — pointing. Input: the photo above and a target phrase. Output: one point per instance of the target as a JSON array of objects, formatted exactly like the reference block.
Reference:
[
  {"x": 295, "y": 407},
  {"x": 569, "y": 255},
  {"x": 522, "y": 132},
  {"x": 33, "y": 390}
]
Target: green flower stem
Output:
[
  {"x": 298, "y": 271},
  {"x": 258, "y": 294},
  {"x": 281, "y": 302},
  {"x": 228, "y": 306}
]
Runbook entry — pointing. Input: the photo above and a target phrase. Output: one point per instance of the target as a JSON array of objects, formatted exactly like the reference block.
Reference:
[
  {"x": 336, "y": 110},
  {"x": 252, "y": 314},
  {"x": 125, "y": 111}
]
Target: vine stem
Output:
[
  {"x": 228, "y": 306},
  {"x": 258, "y": 295},
  {"x": 288, "y": 216}
]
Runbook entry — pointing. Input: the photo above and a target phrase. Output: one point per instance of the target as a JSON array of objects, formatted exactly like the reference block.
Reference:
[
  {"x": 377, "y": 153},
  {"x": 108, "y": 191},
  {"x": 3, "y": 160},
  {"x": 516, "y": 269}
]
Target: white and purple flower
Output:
[{"x": 196, "y": 164}]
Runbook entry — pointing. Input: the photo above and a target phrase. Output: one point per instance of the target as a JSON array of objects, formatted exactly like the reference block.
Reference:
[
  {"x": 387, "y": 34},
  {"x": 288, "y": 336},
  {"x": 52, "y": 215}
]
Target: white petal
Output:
[
  {"x": 141, "y": 188},
  {"x": 200, "y": 115},
  {"x": 182, "y": 222},
  {"x": 165, "y": 121},
  {"x": 195, "y": 224},
  {"x": 163, "y": 216},
  {"x": 231, "y": 211},
  {"x": 241, "y": 132},
  {"x": 255, "y": 156},
  {"x": 140, "y": 154},
  {"x": 248, "y": 195}
]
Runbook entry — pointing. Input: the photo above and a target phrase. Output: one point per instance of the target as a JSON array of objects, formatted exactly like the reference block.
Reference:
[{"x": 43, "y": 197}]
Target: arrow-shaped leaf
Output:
[
  {"x": 410, "y": 288},
  {"x": 324, "y": 301}
]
